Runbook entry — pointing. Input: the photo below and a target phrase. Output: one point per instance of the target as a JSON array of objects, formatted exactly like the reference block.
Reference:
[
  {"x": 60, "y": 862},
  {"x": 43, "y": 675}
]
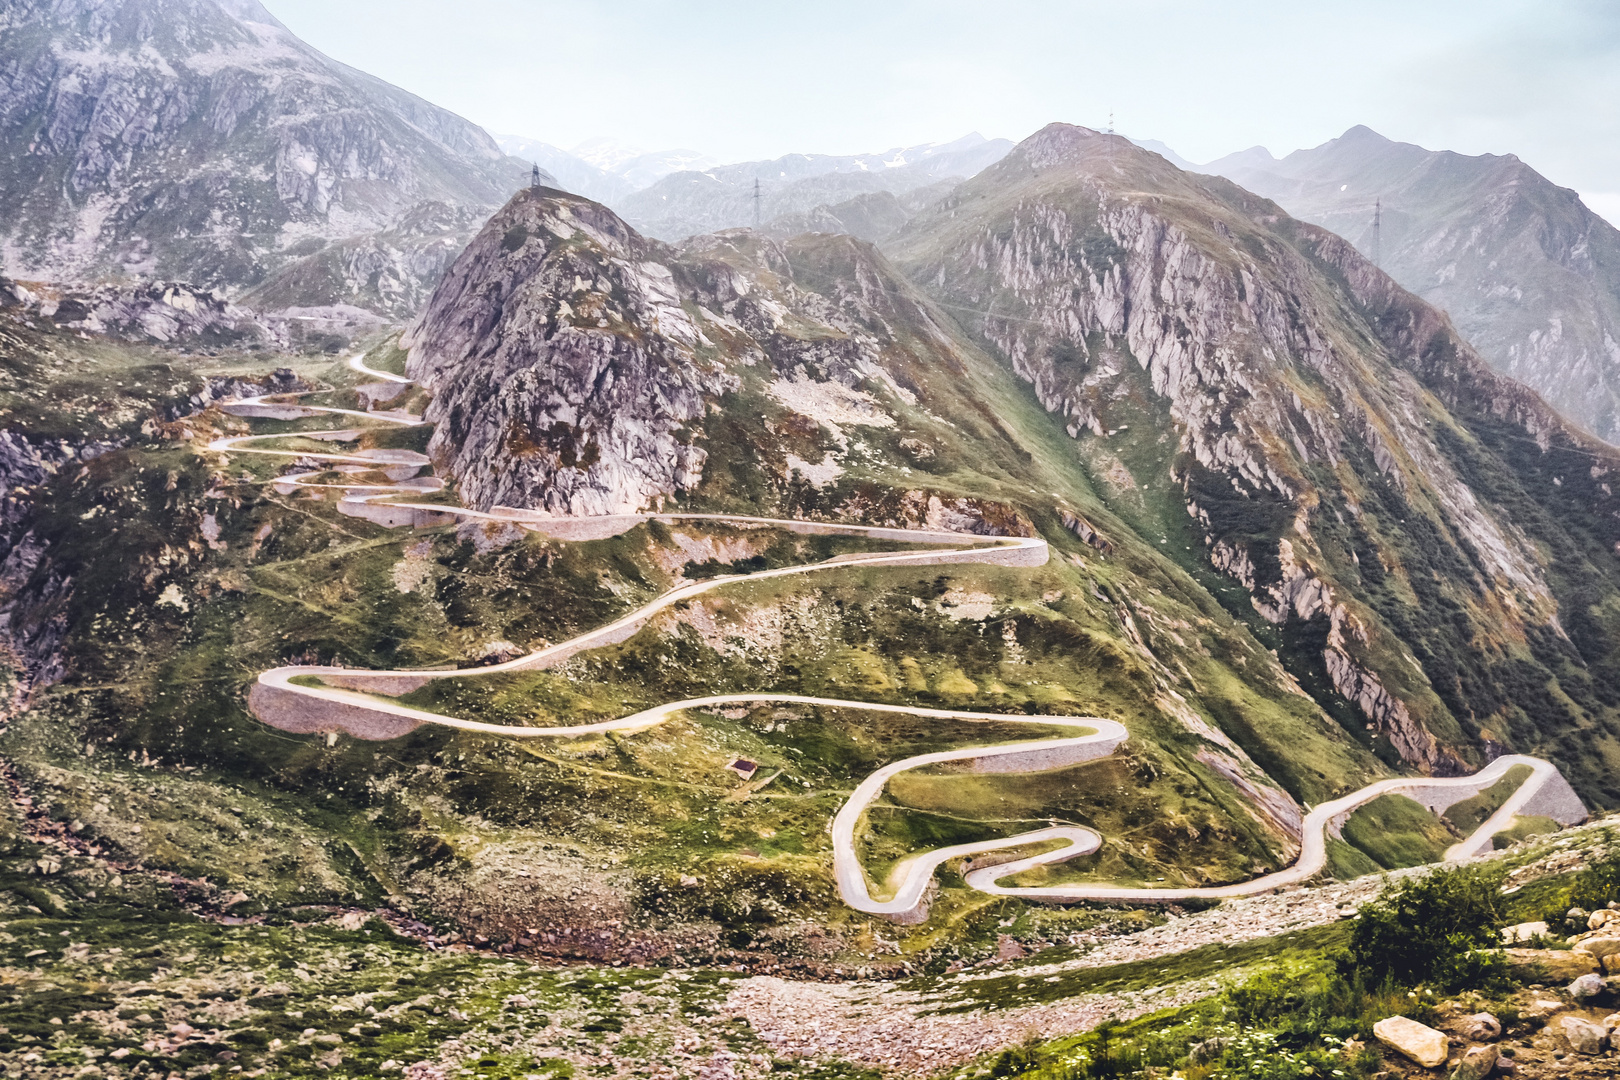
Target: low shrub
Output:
[{"x": 1440, "y": 928}]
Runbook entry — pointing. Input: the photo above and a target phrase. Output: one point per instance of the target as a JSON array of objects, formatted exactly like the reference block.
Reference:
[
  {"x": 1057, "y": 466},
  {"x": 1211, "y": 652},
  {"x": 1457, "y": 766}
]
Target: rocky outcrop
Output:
[
  {"x": 579, "y": 368},
  {"x": 228, "y": 388},
  {"x": 33, "y": 593},
  {"x": 154, "y": 312},
  {"x": 564, "y": 366}
]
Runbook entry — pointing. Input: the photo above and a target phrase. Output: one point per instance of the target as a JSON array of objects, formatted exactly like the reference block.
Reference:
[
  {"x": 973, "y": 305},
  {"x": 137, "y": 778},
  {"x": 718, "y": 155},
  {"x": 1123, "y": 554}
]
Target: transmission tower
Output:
[
  {"x": 757, "y": 197},
  {"x": 1378, "y": 216}
]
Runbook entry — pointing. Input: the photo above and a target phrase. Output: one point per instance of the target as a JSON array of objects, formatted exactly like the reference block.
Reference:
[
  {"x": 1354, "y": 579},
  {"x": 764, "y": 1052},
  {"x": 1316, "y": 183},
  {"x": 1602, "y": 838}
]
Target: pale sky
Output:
[{"x": 741, "y": 81}]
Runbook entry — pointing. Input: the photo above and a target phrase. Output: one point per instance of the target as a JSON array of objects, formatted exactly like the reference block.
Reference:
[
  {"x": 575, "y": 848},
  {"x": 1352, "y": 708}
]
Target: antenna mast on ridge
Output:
[
  {"x": 1378, "y": 215},
  {"x": 756, "y": 202}
]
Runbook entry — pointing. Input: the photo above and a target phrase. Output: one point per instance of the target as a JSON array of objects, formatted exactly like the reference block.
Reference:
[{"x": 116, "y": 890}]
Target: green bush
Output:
[
  {"x": 1591, "y": 888},
  {"x": 1598, "y": 884},
  {"x": 1440, "y": 928}
]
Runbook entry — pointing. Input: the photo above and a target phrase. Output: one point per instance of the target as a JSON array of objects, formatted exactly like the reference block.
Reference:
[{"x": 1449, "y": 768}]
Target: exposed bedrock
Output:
[{"x": 1300, "y": 385}]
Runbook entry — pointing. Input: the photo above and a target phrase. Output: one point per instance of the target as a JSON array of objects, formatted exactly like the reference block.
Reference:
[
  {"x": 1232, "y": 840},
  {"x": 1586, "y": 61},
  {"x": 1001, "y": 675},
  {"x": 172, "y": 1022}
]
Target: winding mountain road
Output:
[{"x": 337, "y": 703}]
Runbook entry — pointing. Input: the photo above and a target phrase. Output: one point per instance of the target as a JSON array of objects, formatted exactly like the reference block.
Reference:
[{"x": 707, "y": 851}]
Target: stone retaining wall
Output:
[
  {"x": 1556, "y": 800},
  {"x": 305, "y": 715},
  {"x": 1044, "y": 758}
]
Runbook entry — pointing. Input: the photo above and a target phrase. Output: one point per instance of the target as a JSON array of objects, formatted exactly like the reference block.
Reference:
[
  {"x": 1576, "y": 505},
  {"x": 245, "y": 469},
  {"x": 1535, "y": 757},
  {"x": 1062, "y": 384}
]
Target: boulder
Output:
[
  {"x": 1583, "y": 1036},
  {"x": 1476, "y": 1064},
  {"x": 1481, "y": 1027},
  {"x": 1550, "y": 965},
  {"x": 1611, "y": 1022},
  {"x": 1601, "y": 918},
  {"x": 1599, "y": 945},
  {"x": 1523, "y": 932},
  {"x": 1611, "y": 964},
  {"x": 1587, "y": 986},
  {"x": 1420, "y": 1042}
]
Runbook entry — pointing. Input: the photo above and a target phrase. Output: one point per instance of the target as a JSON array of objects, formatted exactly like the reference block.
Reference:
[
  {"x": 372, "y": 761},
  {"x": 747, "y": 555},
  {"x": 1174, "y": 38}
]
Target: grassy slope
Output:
[
  {"x": 224, "y": 797},
  {"x": 1469, "y": 661}
]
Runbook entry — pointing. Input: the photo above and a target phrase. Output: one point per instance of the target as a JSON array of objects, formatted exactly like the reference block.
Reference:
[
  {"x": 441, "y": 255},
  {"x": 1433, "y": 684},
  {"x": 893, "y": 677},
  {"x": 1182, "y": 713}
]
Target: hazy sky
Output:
[{"x": 753, "y": 80}]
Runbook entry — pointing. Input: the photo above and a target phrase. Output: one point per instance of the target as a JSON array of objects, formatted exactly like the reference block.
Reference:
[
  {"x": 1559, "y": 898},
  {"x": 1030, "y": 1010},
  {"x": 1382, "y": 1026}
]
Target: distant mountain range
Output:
[
  {"x": 201, "y": 140},
  {"x": 673, "y": 194},
  {"x": 602, "y": 169},
  {"x": 1528, "y": 272}
]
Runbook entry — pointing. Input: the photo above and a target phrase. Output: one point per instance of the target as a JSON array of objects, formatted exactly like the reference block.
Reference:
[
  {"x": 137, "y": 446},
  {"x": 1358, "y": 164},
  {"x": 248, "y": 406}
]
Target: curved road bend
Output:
[
  {"x": 1313, "y": 844},
  {"x": 911, "y": 877}
]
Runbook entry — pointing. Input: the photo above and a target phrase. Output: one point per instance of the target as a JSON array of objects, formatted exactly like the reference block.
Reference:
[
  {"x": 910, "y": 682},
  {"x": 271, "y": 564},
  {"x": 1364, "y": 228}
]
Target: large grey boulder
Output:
[
  {"x": 1587, "y": 986},
  {"x": 1583, "y": 1036}
]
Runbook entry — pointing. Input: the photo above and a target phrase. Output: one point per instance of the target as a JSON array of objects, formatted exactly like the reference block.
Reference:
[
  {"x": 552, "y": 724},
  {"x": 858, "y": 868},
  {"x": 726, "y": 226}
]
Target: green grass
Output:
[
  {"x": 1394, "y": 832},
  {"x": 1470, "y": 814},
  {"x": 1524, "y": 827},
  {"x": 1207, "y": 960}
]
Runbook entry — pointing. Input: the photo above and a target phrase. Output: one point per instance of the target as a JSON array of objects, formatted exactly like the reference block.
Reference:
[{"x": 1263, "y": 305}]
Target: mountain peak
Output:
[
  {"x": 1362, "y": 133},
  {"x": 1058, "y": 143}
]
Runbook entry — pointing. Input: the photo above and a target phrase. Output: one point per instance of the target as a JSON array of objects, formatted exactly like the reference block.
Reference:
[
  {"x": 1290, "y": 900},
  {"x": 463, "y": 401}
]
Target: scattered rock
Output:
[
  {"x": 1542, "y": 1008},
  {"x": 1007, "y": 948},
  {"x": 1583, "y": 1036},
  {"x": 1523, "y": 932},
  {"x": 1587, "y": 986},
  {"x": 1476, "y": 1064},
  {"x": 1601, "y": 918},
  {"x": 1481, "y": 1027},
  {"x": 1202, "y": 1053},
  {"x": 1420, "y": 1042}
]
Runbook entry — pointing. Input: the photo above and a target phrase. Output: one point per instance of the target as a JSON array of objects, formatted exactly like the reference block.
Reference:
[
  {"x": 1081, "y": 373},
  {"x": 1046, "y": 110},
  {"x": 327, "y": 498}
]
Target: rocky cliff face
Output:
[
  {"x": 564, "y": 366},
  {"x": 1292, "y": 400},
  {"x": 1529, "y": 275},
  {"x": 200, "y": 140},
  {"x": 576, "y": 365}
]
